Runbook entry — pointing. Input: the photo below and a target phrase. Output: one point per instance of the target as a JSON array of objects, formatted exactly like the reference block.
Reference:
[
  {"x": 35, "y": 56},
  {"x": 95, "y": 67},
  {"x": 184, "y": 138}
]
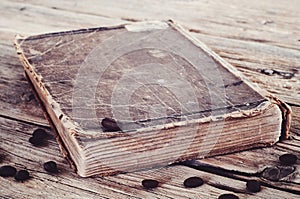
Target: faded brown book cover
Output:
[{"x": 143, "y": 95}]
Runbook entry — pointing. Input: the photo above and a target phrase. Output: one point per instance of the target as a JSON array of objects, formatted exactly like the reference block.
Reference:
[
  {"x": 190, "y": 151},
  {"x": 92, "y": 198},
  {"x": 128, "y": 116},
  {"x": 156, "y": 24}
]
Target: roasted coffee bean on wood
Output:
[
  {"x": 228, "y": 196},
  {"x": 22, "y": 175},
  {"x": 39, "y": 138},
  {"x": 40, "y": 133},
  {"x": 253, "y": 186},
  {"x": 51, "y": 167},
  {"x": 110, "y": 125},
  {"x": 7, "y": 171},
  {"x": 193, "y": 182},
  {"x": 288, "y": 159},
  {"x": 38, "y": 142},
  {"x": 149, "y": 183}
]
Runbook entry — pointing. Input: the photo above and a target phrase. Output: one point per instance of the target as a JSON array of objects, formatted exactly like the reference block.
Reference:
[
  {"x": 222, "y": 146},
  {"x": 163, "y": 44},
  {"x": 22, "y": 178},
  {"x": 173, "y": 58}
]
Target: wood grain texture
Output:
[
  {"x": 234, "y": 29},
  {"x": 273, "y": 68},
  {"x": 19, "y": 153},
  {"x": 257, "y": 162},
  {"x": 247, "y": 21},
  {"x": 267, "y": 30},
  {"x": 16, "y": 98},
  {"x": 46, "y": 19}
]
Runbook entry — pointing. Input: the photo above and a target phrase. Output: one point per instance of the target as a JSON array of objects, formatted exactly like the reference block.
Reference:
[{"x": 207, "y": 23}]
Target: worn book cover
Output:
[{"x": 143, "y": 95}]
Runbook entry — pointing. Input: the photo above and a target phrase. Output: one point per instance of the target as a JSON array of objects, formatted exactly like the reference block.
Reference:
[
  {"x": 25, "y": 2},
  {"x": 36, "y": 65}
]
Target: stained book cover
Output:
[{"x": 143, "y": 95}]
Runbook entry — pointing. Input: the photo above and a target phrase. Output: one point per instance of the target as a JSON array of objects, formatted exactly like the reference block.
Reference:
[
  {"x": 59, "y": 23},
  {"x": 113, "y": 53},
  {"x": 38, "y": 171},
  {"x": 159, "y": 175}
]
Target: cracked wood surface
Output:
[{"x": 259, "y": 38}]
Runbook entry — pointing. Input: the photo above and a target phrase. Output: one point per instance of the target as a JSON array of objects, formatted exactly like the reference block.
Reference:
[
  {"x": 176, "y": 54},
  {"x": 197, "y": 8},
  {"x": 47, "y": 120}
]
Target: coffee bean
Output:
[
  {"x": 110, "y": 125},
  {"x": 149, "y": 183},
  {"x": 271, "y": 173},
  {"x": 36, "y": 141},
  {"x": 253, "y": 186},
  {"x": 39, "y": 138},
  {"x": 228, "y": 196},
  {"x": 288, "y": 159},
  {"x": 51, "y": 167},
  {"x": 285, "y": 171},
  {"x": 40, "y": 133},
  {"x": 7, "y": 171},
  {"x": 22, "y": 175},
  {"x": 193, "y": 182}
]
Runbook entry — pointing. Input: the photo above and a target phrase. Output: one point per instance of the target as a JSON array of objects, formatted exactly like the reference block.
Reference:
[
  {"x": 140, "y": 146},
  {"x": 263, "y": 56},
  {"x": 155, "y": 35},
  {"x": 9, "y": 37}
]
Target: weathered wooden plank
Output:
[
  {"x": 273, "y": 68},
  {"x": 24, "y": 18},
  {"x": 284, "y": 25},
  {"x": 16, "y": 98},
  {"x": 40, "y": 13},
  {"x": 172, "y": 184},
  {"x": 255, "y": 163},
  {"x": 232, "y": 19},
  {"x": 19, "y": 153}
]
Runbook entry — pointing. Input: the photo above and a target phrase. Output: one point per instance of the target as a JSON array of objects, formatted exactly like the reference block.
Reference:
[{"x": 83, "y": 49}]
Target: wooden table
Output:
[{"x": 260, "y": 38}]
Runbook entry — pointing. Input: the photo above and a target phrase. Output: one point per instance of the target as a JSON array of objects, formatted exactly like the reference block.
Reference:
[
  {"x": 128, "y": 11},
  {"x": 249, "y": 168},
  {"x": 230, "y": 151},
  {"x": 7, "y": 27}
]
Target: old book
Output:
[{"x": 143, "y": 95}]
